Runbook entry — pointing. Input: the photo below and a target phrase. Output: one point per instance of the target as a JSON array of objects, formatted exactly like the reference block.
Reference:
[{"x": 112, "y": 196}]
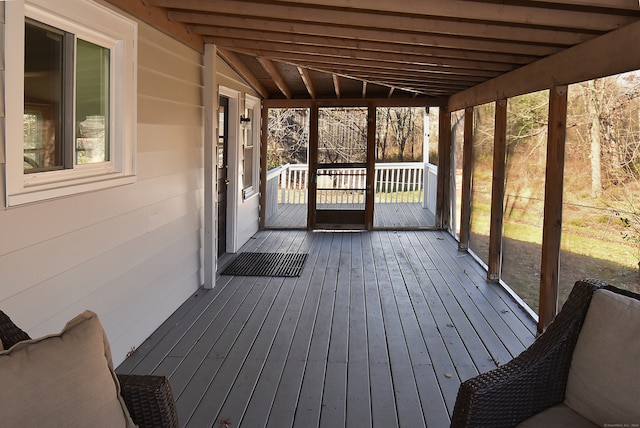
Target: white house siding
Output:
[{"x": 132, "y": 253}]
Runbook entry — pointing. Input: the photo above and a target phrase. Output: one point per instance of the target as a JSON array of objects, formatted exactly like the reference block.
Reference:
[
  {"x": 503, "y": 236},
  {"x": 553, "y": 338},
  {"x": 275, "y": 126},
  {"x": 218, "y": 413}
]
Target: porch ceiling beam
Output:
[
  {"x": 376, "y": 20},
  {"x": 421, "y": 38},
  {"x": 336, "y": 85},
  {"x": 157, "y": 18},
  {"x": 400, "y": 83},
  {"x": 389, "y": 77},
  {"x": 239, "y": 67},
  {"x": 427, "y": 81},
  {"x": 483, "y": 11},
  {"x": 608, "y": 55},
  {"x": 365, "y": 69},
  {"x": 406, "y": 82},
  {"x": 609, "y": 4},
  {"x": 277, "y": 78},
  {"x": 258, "y": 46},
  {"x": 309, "y": 42},
  {"x": 301, "y": 58},
  {"x": 391, "y": 81},
  {"x": 357, "y": 102},
  {"x": 308, "y": 83}
]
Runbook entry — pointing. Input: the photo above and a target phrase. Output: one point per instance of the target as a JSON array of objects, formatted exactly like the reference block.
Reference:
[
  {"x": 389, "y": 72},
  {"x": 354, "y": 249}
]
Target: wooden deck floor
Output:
[
  {"x": 379, "y": 330},
  {"x": 386, "y": 216}
]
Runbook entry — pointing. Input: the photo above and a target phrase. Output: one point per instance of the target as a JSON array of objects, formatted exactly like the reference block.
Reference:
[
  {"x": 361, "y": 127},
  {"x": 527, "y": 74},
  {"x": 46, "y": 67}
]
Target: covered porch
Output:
[{"x": 379, "y": 329}]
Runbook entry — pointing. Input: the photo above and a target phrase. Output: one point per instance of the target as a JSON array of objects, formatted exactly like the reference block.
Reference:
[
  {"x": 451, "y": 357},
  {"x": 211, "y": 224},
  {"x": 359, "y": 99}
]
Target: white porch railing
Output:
[{"x": 407, "y": 182}]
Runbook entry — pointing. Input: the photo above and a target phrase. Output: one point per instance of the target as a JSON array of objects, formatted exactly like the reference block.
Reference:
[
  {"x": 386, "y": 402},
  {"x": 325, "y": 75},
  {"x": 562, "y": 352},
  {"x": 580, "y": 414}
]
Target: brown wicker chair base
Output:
[{"x": 536, "y": 379}]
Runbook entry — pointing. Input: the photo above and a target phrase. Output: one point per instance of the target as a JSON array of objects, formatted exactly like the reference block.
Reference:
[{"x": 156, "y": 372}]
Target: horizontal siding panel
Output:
[
  {"x": 26, "y": 226},
  {"x": 169, "y": 55},
  {"x": 157, "y": 137},
  {"x": 38, "y": 308},
  {"x": 162, "y": 163},
  {"x": 134, "y": 320},
  {"x": 153, "y": 110},
  {"x": 35, "y": 264},
  {"x": 153, "y": 83},
  {"x": 167, "y": 211}
]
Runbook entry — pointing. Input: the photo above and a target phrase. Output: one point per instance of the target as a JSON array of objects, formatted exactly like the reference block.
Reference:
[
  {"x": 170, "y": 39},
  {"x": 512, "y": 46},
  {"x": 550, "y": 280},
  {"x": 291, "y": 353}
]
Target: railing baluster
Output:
[{"x": 393, "y": 182}]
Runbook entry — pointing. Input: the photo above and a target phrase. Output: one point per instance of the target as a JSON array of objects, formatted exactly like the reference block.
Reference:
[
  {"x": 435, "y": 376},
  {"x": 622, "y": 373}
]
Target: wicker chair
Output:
[
  {"x": 535, "y": 380},
  {"x": 148, "y": 398}
]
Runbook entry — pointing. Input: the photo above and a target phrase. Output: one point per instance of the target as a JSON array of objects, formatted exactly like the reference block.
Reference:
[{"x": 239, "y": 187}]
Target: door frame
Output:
[
  {"x": 367, "y": 220},
  {"x": 233, "y": 188}
]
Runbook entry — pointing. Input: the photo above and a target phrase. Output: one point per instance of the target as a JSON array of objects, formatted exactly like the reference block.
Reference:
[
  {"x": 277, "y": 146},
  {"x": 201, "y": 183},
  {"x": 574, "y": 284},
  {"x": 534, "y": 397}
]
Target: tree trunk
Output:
[{"x": 595, "y": 132}]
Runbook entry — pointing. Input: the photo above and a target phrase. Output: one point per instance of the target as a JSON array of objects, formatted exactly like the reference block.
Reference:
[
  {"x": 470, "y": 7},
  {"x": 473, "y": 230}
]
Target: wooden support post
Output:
[
  {"x": 467, "y": 169},
  {"x": 371, "y": 167},
  {"x": 497, "y": 191},
  {"x": 444, "y": 169},
  {"x": 313, "y": 165},
  {"x": 210, "y": 99},
  {"x": 263, "y": 164},
  {"x": 552, "y": 226}
]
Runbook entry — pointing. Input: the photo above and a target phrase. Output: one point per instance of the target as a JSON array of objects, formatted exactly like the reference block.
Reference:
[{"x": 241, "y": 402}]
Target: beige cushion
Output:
[
  {"x": 604, "y": 378},
  {"x": 62, "y": 380},
  {"x": 557, "y": 416}
]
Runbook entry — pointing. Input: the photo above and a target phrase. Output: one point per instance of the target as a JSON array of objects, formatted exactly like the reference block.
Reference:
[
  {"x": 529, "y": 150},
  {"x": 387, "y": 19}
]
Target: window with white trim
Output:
[
  {"x": 72, "y": 72},
  {"x": 250, "y": 124}
]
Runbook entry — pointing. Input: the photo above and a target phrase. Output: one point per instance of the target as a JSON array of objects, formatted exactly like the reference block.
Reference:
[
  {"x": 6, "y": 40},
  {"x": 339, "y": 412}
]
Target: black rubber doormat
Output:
[{"x": 266, "y": 264}]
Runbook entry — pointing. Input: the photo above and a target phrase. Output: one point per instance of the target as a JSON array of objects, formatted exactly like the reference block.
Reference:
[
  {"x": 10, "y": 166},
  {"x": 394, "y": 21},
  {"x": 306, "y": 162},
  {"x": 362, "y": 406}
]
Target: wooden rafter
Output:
[
  {"x": 414, "y": 48},
  {"x": 270, "y": 68},
  {"x": 244, "y": 34},
  {"x": 336, "y": 85},
  {"x": 255, "y": 47},
  {"x": 424, "y": 38},
  {"x": 157, "y": 18},
  {"x": 240, "y": 68},
  {"x": 349, "y": 17},
  {"x": 484, "y": 11},
  {"x": 308, "y": 83}
]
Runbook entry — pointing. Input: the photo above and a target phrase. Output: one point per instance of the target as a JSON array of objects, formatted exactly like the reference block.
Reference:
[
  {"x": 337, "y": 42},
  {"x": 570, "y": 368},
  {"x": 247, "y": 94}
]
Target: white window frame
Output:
[
  {"x": 96, "y": 24},
  {"x": 253, "y": 103}
]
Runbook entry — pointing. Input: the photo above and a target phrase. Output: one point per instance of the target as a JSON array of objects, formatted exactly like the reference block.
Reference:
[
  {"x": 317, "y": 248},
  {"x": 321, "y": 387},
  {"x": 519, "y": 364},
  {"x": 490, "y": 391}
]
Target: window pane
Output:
[
  {"x": 287, "y": 167},
  {"x": 601, "y": 202},
  {"x": 406, "y": 167},
  {"x": 342, "y": 135},
  {"x": 527, "y": 117},
  {"x": 92, "y": 103},
  {"x": 457, "y": 142},
  {"x": 43, "y": 98},
  {"x": 483, "y": 129},
  {"x": 247, "y": 131}
]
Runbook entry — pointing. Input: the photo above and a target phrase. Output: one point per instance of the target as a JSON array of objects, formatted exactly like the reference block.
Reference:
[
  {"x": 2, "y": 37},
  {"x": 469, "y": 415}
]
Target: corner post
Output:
[
  {"x": 444, "y": 169},
  {"x": 552, "y": 225},
  {"x": 497, "y": 191},
  {"x": 467, "y": 170}
]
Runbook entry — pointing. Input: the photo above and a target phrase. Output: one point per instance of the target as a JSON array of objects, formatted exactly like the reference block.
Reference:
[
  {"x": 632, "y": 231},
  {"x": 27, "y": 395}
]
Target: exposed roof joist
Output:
[
  {"x": 315, "y": 49},
  {"x": 270, "y": 68}
]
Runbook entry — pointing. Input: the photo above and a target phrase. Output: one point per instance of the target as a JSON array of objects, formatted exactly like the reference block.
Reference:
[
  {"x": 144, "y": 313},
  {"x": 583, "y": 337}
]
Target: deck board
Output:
[{"x": 379, "y": 330}]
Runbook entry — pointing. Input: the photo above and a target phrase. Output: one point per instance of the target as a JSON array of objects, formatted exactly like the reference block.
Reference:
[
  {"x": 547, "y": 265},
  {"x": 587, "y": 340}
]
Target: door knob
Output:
[{"x": 226, "y": 181}]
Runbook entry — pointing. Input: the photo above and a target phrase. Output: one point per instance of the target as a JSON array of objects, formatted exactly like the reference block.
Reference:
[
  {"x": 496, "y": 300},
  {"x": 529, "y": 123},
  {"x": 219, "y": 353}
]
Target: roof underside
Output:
[{"x": 328, "y": 49}]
